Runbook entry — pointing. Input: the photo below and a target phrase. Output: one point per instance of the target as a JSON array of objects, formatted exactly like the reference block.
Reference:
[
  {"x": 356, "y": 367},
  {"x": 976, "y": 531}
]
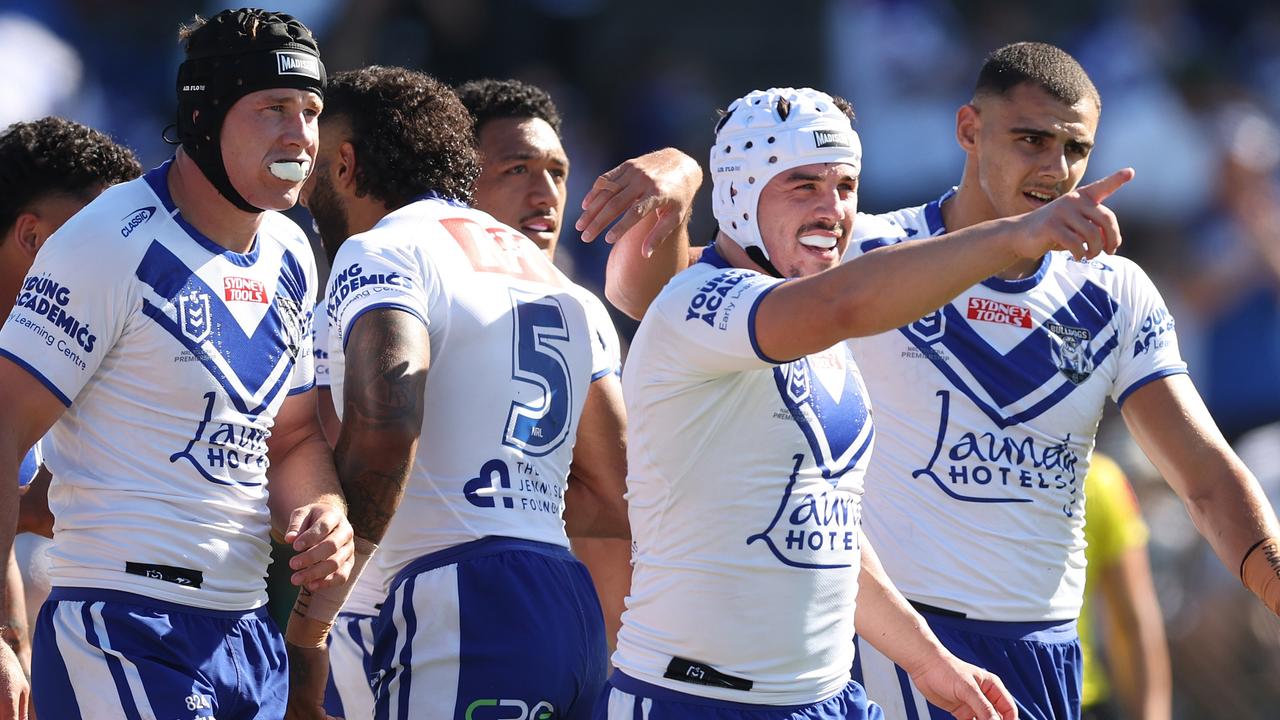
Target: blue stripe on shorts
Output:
[{"x": 110, "y": 654}]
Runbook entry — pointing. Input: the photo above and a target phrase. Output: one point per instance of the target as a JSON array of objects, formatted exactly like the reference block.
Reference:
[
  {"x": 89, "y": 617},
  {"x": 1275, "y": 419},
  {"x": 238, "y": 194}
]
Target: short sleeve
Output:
[
  {"x": 710, "y": 315},
  {"x": 71, "y": 309},
  {"x": 369, "y": 274},
  {"x": 1148, "y": 343}
]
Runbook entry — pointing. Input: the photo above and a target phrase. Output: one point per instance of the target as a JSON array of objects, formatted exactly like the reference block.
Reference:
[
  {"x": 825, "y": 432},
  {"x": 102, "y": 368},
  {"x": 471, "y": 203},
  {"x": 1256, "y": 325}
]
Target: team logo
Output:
[
  {"x": 930, "y": 327},
  {"x": 1071, "y": 353},
  {"x": 797, "y": 375},
  {"x": 194, "y": 315}
]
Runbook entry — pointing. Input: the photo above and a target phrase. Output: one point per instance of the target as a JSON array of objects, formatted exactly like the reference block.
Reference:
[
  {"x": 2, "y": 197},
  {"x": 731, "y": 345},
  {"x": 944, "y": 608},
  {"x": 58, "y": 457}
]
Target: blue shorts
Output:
[
  {"x": 626, "y": 698},
  {"x": 1038, "y": 662},
  {"x": 110, "y": 655},
  {"x": 495, "y": 628},
  {"x": 348, "y": 694}
]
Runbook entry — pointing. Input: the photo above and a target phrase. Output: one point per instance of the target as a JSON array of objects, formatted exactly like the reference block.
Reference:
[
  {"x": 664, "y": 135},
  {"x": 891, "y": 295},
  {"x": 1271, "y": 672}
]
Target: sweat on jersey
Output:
[
  {"x": 745, "y": 476},
  {"x": 514, "y": 348},
  {"x": 986, "y": 412},
  {"x": 172, "y": 355}
]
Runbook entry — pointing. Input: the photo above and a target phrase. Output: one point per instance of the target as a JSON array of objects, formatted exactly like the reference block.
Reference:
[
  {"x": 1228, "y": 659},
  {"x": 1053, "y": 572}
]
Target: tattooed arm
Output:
[{"x": 388, "y": 352}]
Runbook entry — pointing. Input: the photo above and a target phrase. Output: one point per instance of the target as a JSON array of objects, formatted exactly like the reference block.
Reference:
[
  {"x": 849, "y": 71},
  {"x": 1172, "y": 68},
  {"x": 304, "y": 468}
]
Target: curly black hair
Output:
[
  {"x": 57, "y": 156},
  {"x": 1049, "y": 67},
  {"x": 496, "y": 99},
  {"x": 410, "y": 132}
]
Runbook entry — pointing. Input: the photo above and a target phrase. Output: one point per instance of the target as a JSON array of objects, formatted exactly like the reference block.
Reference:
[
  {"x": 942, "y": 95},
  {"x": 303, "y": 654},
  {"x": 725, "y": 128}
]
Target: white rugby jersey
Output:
[
  {"x": 172, "y": 355},
  {"x": 986, "y": 412},
  {"x": 514, "y": 348},
  {"x": 744, "y": 484},
  {"x": 367, "y": 594}
]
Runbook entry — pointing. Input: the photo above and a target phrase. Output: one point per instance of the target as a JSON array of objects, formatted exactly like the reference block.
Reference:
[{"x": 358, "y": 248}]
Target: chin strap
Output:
[{"x": 757, "y": 257}]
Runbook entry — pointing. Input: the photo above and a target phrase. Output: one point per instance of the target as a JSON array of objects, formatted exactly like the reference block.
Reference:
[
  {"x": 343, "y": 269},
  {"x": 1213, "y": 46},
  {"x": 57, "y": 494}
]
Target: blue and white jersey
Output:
[
  {"x": 744, "y": 487},
  {"x": 987, "y": 411},
  {"x": 514, "y": 349},
  {"x": 172, "y": 355}
]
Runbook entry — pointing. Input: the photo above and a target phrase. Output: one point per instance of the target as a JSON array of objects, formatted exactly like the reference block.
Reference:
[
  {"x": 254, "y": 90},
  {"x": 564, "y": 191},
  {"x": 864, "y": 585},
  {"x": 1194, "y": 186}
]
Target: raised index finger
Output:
[{"x": 1100, "y": 190}]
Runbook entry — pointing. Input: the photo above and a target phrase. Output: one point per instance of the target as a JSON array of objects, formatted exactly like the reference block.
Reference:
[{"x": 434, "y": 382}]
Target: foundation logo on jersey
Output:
[
  {"x": 194, "y": 315},
  {"x": 1000, "y": 313},
  {"x": 816, "y": 524},
  {"x": 713, "y": 297},
  {"x": 238, "y": 289},
  {"x": 135, "y": 219},
  {"x": 1003, "y": 466},
  {"x": 1071, "y": 353},
  {"x": 1152, "y": 333}
]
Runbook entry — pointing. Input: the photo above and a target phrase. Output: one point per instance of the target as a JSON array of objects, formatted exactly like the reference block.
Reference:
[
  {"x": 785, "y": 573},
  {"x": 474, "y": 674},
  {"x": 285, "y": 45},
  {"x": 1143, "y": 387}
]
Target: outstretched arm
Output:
[
  {"x": 893, "y": 286},
  {"x": 1173, "y": 427},
  {"x": 653, "y": 194},
  {"x": 887, "y": 621}
]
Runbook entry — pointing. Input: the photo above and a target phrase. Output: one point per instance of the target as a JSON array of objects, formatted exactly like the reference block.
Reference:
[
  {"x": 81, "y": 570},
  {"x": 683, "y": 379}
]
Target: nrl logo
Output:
[
  {"x": 194, "y": 316},
  {"x": 797, "y": 381},
  {"x": 1071, "y": 352}
]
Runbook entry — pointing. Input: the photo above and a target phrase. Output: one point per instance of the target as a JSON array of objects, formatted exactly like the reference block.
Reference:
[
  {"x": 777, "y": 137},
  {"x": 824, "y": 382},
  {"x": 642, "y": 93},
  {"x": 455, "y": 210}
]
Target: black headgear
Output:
[{"x": 233, "y": 54}]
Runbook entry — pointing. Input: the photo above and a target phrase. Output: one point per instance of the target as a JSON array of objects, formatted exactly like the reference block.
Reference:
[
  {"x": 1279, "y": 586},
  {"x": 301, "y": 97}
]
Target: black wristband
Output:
[{"x": 1249, "y": 552}]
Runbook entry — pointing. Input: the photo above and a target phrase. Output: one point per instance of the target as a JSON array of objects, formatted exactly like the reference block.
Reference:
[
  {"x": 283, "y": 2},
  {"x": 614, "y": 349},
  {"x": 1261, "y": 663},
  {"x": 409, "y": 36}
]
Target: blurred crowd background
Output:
[{"x": 1191, "y": 99}]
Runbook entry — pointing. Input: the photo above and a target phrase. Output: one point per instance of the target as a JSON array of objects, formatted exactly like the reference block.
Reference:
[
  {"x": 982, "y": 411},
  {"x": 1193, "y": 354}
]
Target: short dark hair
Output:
[
  {"x": 55, "y": 156},
  {"x": 410, "y": 132},
  {"x": 1046, "y": 66},
  {"x": 496, "y": 99}
]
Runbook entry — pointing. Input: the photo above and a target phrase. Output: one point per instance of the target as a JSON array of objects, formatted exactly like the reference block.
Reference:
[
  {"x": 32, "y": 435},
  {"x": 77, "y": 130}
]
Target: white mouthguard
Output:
[
  {"x": 825, "y": 242},
  {"x": 291, "y": 170}
]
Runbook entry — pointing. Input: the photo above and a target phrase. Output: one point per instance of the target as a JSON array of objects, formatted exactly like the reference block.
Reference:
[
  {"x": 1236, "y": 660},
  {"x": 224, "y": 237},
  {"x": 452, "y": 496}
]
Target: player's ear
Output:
[
  {"x": 968, "y": 123},
  {"x": 26, "y": 233},
  {"x": 345, "y": 167}
]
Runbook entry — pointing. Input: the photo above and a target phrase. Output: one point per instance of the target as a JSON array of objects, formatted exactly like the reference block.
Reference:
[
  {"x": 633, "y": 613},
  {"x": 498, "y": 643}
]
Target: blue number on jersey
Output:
[{"x": 539, "y": 426}]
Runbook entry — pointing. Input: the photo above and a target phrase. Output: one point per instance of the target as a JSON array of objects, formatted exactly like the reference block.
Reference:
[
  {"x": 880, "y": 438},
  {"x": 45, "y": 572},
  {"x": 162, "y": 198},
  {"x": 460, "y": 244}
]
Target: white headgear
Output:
[{"x": 757, "y": 139}]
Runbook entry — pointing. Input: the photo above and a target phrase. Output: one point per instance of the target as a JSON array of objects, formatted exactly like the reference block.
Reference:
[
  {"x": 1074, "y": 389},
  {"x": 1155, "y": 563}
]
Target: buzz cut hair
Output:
[
  {"x": 1046, "y": 66},
  {"x": 55, "y": 156},
  {"x": 498, "y": 99}
]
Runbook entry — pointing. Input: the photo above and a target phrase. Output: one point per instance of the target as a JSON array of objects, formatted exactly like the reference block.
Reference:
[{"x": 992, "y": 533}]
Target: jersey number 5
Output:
[{"x": 539, "y": 419}]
